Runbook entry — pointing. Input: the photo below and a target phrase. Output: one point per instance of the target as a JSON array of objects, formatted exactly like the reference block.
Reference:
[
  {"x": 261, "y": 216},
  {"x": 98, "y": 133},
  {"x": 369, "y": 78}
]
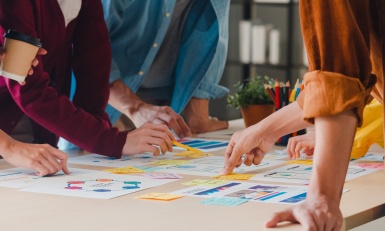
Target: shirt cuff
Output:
[
  {"x": 210, "y": 91},
  {"x": 329, "y": 93}
]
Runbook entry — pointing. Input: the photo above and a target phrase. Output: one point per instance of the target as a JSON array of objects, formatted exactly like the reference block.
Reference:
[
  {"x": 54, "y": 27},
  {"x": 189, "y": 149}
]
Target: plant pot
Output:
[{"x": 252, "y": 114}]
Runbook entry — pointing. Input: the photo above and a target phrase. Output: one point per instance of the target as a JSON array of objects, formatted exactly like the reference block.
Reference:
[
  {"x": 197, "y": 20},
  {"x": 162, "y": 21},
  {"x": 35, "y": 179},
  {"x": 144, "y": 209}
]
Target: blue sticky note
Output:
[{"x": 224, "y": 201}]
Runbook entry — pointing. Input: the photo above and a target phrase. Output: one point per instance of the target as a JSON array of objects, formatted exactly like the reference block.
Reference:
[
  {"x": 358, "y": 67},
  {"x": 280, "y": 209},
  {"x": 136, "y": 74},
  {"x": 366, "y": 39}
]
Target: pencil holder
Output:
[{"x": 282, "y": 141}]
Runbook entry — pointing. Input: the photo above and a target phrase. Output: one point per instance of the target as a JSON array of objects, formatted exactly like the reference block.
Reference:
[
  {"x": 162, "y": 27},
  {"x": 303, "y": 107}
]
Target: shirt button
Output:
[
  {"x": 155, "y": 45},
  {"x": 168, "y": 15},
  {"x": 141, "y": 73}
]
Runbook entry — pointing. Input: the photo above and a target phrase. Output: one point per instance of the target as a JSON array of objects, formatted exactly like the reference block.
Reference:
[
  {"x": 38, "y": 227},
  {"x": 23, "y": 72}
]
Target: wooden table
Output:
[
  {"x": 32, "y": 211},
  {"x": 376, "y": 225}
]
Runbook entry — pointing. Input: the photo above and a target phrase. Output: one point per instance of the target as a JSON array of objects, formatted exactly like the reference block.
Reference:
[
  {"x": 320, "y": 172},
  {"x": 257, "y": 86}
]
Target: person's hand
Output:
[
  {"x": 34, "y": 63},
  {"x": 43, "y": 158},
  {"x": 148, "y": 113},
  {"x": 304, "y": 143},
  {"x": 315, "y": 213},
  {"x": 148, "y": 138},
  {"x": 251, "y": 141},
  {"x": 127, "y": 102}
]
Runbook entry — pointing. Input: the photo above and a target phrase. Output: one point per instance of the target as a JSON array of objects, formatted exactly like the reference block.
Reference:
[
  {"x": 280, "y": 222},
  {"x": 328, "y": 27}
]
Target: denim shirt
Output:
[{"x": 137, "y": 29}]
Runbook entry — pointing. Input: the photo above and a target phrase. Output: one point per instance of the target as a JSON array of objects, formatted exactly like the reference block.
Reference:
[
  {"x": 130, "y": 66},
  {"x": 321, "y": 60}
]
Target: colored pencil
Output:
[
  {"x": 186, "y": 147},
  {"x": 270, "y": 93},
  {"x": 298, "y": 90},
  {"x": 282, "y": 94},
  {"x": 287, "y": 92},
  {"x": 277, "y": 95}
]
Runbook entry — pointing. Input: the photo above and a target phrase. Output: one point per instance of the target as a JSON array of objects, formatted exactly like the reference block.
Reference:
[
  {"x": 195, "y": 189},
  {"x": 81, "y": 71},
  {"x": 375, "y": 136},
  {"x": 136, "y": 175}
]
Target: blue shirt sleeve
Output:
[{"x": 115, "y": 72}]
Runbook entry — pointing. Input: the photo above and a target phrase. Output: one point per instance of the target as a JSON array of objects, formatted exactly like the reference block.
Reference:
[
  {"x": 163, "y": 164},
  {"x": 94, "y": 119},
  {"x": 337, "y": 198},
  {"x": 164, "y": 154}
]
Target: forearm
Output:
[
  {"x": 284, "y": 121},
  {"x": 334, "y": 138},
  {"x": 123, "y": 98}
]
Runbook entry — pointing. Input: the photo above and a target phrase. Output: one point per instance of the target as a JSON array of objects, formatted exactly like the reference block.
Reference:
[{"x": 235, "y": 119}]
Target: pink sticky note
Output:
[{"x": 372, "y": 165}]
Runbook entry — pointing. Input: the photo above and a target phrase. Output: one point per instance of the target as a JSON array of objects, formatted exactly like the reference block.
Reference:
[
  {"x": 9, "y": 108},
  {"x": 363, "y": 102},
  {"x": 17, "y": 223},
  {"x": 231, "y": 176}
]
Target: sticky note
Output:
[
  {"x": 195, "y": 182},
  {"x": 184, "y": 153},
  {"x": 372, "y": 165},
  {"x": 206, "y": 182},
  {"x": 170, "y": 162},
  {"x": 306, "y": 162},
  {"x": 199, "y": 155},
  {"x": 233, "y": 176},
  {"x": 149, "y": 168},
  {"x": 160, "y": 196},
  {"x": 190, "y": 154},
  {"x": 224, "y": 201},
  {"x": 124, "y": 170}
]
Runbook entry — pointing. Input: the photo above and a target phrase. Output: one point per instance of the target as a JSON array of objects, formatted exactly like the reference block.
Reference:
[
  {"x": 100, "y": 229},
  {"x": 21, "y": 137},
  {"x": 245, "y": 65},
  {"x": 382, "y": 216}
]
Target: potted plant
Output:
[{"x": 253, "y": 100}]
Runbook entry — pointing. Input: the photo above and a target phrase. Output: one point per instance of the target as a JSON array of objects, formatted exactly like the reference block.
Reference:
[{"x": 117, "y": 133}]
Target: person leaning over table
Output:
[
  {"x": 76, "y": 35},
  {"x": 167, "y": 53},
  {"x": 167, "y": 58},
  {"x": 345, "y": 45},
  {"x": 39, "y": 157}
]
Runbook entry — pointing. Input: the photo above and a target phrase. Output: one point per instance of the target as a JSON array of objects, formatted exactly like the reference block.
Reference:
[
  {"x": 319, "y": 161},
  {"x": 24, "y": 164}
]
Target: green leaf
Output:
[{"x": 251, "y": 92}]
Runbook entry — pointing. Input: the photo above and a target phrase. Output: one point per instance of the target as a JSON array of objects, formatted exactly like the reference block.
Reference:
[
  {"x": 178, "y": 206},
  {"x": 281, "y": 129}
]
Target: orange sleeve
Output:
[{"x": 329, "y": 93}]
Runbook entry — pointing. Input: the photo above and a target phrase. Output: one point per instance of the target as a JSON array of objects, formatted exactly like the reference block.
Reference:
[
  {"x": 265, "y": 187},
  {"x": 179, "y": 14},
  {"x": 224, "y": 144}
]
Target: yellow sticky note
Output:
[
  {"x": 159, "y": 196},
  {"x": 190, "y": 154},
  {"x": 215, "y": 182},
  {"x": 233, "y": 176},
  {"x": 206, "y": 182},
  {"x": 199, "y": 155},
  {"x": 170, "y": 162},
  {"x": 184, "y": 153},
  {"x": 195, "y": 182},
  {"x": 124, "y": 170},
  {"x": 306, "y": 162}
]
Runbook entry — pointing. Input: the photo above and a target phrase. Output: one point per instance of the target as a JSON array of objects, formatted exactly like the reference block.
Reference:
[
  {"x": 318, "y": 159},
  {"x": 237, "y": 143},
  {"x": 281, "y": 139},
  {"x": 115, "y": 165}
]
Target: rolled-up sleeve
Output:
[{"x": 328, "y": 94}]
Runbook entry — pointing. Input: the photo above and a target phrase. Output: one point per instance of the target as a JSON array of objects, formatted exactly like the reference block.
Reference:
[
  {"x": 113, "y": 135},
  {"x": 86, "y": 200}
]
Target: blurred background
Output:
[{"x": 264, "y": 39}]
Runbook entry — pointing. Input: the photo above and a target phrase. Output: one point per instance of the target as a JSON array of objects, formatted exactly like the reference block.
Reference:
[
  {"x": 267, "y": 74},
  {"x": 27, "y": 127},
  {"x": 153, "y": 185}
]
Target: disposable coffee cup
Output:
[{"x": 20, "y": 49}]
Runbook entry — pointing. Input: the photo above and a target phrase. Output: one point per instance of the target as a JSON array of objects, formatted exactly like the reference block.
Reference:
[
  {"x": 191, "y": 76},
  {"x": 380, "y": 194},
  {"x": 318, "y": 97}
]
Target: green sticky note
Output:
[{"x": 224, "y": 201}]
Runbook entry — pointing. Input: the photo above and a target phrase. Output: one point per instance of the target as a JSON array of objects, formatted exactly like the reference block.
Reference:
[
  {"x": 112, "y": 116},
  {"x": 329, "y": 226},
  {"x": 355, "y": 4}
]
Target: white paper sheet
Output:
[
  {"x": 373, "y": 157},
  {"x": 300, "y": 174},
  {"x": 252, "y": 191},
  {"x": 96, "y": 185},
  {"x": 213, "y": 166},
  {"x": 22, "y": 178},
  {"x": 132, "y": 160}
]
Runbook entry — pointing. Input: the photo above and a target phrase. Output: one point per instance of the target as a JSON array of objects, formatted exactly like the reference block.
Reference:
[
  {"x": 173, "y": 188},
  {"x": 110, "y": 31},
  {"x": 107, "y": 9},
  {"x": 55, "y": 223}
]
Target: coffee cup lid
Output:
[{"x": 12, "y": 34}]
